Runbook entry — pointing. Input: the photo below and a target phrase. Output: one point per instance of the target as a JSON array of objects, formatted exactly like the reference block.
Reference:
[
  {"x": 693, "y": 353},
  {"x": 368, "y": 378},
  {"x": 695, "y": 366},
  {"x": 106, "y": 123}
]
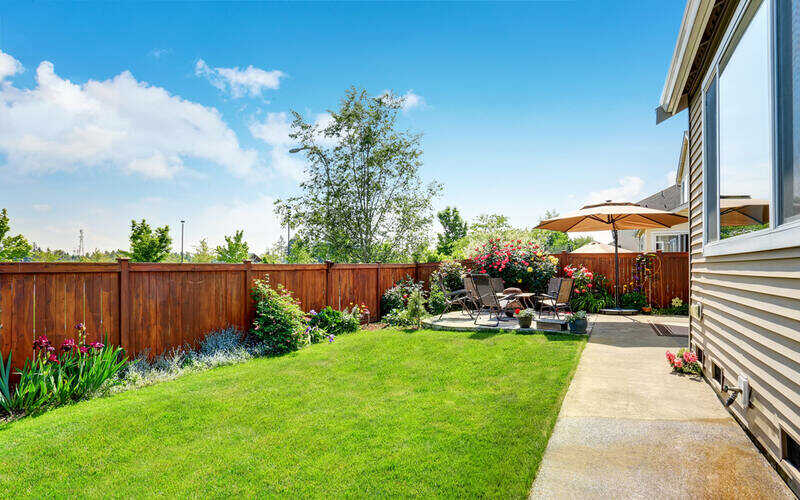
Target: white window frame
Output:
[
  {"x": 775, "y": 236},
  {"x": 667, "y": 232}
]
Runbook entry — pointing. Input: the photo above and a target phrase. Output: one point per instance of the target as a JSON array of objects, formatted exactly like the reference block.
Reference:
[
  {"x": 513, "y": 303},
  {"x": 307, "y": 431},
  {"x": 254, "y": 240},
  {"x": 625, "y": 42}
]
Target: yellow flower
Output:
[
  {"x": 519, "y": 281},
  {"x": 530, "y": 269}
]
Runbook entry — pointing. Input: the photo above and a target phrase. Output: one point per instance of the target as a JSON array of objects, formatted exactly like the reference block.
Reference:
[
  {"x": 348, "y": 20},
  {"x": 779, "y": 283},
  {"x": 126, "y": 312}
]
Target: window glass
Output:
[
  {"x": 672, "y": 242},
  {"x": 788, "y": 92},
  {"x": 711, "y": 224},
  {"x": 744, "y": 131}
]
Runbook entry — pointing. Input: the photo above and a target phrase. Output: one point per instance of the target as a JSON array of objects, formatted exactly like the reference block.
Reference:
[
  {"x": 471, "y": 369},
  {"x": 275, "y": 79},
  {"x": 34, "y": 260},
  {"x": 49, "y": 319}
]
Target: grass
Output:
[{"x": 379, "y": 413}]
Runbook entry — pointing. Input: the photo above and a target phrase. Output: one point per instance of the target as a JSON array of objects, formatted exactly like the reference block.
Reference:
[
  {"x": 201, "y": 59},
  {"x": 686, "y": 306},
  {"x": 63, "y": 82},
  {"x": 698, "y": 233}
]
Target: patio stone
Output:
[{"x": 458, "y": 321}]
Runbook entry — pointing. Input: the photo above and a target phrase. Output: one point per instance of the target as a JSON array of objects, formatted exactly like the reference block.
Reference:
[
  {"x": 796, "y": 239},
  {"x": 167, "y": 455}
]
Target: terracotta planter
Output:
[
  {"x": 525, "y": 322},
  {"x": 647, "y": 309},
  {"x": 578, "y": 325}
]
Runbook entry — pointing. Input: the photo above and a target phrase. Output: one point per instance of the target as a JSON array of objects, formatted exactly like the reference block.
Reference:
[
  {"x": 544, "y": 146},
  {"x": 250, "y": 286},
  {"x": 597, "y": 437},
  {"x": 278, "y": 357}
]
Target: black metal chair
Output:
[
  {"x": 490, "y": 298},
  {"x": 553, "y": 286},
  {"x": 455, "y": 297}
]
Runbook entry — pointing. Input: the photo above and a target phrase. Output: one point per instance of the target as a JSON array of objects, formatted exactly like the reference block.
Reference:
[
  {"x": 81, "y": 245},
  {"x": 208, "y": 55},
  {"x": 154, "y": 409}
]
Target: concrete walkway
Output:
[{"x": 628, "y": 428}]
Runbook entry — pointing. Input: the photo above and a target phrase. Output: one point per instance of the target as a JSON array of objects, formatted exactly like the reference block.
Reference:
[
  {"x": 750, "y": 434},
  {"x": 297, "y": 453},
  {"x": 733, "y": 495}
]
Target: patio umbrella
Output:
[
  {"x": 611, "y": 216},
  {"x": 742, "y": 211}
]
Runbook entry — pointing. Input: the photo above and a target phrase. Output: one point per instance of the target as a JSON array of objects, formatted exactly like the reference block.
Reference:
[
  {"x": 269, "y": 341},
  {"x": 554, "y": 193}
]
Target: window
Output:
[
  {"x": 792, "y": 450},
  {"x": 700, "y": 355},
  {"x": 716, "y": 373},
  {"x": 751, "y": 131},
  {"x": 672, "y": 242},
  {"x": 787, "y": 66}
]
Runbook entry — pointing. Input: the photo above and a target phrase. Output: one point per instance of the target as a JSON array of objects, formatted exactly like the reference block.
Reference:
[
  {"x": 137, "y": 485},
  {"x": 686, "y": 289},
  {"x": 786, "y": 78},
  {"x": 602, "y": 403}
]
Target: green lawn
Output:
[{"x": 373, "y": 414}]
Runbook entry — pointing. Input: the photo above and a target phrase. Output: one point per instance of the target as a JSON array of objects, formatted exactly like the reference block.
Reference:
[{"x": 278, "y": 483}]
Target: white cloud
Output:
[
  {"x": 9, "y": 66},
  {"x": 42, "y": 207},
  {"x": 670, "y": 179},
  {"x": 274, "y": 130},
  {"x": 629, "y": 189},
  {"x": 412, "y": 100},
  {"x": 119, "y": 123},
  {"x": 159, "y": 53},
  {"x": 216, "y": 221},
  {"x": 239, "y": 82}
]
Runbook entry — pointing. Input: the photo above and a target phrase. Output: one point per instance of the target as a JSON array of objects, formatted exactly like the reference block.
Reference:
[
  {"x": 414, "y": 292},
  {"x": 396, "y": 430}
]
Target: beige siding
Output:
[{"x": 751, "y": 317}]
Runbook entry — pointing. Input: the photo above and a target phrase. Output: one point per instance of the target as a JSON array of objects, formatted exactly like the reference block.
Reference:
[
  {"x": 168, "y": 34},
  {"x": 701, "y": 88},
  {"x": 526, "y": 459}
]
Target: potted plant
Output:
[
  {"x": 525, "y": 317},
  {"x": 577, "y": 322}
]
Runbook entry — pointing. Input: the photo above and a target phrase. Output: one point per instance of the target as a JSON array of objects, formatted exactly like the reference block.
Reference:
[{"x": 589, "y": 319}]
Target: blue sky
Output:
[{"x": 113, "y": 111}]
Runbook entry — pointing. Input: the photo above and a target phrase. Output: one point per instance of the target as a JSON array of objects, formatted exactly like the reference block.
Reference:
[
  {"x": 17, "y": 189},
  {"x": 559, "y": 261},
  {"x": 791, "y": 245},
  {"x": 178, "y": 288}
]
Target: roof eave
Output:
[{"x": 695, "y": 17}]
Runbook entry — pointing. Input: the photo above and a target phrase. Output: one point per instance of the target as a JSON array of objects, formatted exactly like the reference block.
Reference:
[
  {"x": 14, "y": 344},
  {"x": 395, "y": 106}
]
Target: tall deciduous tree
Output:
[
  {"x": 11, "y": 247},
  {"x": 362, "y": 199},
  {"x": 235, "y": 248},
  {"x": 202, "y": 253},
  {"x": 148, "y": 245},
  {"x": 454, "y": 228}
]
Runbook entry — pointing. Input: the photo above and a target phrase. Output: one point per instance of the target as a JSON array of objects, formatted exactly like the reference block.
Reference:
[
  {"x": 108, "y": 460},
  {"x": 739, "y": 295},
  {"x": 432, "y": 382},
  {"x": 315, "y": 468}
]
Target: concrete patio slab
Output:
[
  {"x": 629, "y": 428},
  {"x": 458, "y": 321}
]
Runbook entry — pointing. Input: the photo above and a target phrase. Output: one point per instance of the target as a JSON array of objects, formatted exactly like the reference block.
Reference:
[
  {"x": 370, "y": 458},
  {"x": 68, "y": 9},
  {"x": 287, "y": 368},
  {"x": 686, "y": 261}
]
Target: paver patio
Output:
[{"x": 629, "y": 428}]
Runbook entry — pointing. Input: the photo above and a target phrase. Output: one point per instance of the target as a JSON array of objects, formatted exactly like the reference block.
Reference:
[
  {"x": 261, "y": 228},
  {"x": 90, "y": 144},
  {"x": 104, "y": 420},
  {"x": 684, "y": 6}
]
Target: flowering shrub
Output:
[
  {"x": 684, "y": 361},
  {"x": 54, "y": 376},
  {"x": 332, "y": 322},
  {"x": 518, "y": 263},
  {"x": 397, "y": 296},
  {"x": 590, "y": 291},
  {"x": 411, "y": 314},
  {"x": 633, "y": 300},
  {"x": 279, "y": 323}
]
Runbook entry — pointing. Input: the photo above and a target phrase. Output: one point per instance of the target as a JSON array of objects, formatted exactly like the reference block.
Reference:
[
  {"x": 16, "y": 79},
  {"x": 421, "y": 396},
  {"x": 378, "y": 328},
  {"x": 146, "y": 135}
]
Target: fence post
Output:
[
  {"x": 249, "y": 309},
  {"x": 328, "y": 265},
  {"x": 378, "y": 292},
  {"x": 124, "y": 303},
  {"x": 661, "y": 271}
]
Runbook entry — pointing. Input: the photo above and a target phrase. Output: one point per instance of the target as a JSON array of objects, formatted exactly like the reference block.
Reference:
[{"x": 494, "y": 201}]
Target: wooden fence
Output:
[
  {"x": 159, "y": 306},
  {"x": 671, "y": 279}
]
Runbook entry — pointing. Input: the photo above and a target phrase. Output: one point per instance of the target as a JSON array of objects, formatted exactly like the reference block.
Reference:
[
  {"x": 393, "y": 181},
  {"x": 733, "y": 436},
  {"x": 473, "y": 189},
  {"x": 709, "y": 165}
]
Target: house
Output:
[
  {"x": 736, "y": 69},
  {"x": 672, "y": 199}
]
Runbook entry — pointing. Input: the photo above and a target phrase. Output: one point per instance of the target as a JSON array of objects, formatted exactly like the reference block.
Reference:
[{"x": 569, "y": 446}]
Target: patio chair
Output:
[
  {"x": 455, "y": 297},
  {"x": 490, "y": 298},
  {"x": 553, "y": 286},
  {"x": 561, "y": 301},
  {"x": 472, "y": 292}
]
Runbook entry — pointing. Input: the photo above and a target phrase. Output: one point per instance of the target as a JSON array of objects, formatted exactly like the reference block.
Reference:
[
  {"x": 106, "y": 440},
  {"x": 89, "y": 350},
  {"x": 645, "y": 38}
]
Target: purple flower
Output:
[
  {"x": 97, "y": 345},
  {"x": 312, "y": 312},
  {"x": 330, "y": 338},
  {"x": 68, "y": 345},
  {"x": 80, "y": 327}
]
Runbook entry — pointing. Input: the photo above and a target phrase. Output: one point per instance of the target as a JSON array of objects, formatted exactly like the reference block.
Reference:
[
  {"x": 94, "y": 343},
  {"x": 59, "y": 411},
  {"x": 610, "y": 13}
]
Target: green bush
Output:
[
  {"x": 279, "y": 323},
  {"x": 411, "y": 314},
  {"x": 336, "y": 322},
  {"x": 397, "y": 296},
  {"x": 632, "y": 300},
  {"x": 452, "y": 272}
]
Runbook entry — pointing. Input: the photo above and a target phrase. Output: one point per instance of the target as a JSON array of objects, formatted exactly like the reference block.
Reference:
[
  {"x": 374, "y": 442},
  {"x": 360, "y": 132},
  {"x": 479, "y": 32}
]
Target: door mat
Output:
[{"x": 670, "y": 330}]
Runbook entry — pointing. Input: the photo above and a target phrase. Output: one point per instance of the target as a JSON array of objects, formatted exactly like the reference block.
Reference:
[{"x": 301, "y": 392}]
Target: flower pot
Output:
[
  {"x": 525, "y": 322},
  {"x": 646, "y": 309},
  {"x": 578, "y": 325}
]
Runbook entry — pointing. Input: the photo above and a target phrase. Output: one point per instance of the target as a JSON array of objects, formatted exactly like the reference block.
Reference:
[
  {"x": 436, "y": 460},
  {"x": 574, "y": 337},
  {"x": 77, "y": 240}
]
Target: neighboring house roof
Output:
[
  {"x": 667, "y": 199},
  {"x": 597, "y": 247}
]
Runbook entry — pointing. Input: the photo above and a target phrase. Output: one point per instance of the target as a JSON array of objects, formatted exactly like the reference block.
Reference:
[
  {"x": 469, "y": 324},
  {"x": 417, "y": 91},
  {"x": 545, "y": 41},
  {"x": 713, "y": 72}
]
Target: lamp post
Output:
[
  {"x": 183, "y": 222},
  {"x": 288, "y": 227}
]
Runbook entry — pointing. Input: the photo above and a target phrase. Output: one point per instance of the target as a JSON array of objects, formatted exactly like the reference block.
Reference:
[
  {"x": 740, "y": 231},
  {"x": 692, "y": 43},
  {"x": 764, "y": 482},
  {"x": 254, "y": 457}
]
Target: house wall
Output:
[{"x": 750, "y": 319}]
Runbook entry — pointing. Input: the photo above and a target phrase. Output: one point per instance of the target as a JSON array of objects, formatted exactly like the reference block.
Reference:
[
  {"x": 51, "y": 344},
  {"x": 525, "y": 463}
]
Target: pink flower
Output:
[
  {"x": 100, "y": 345},
  {"x": 689, "y": 357},
  {"x": 83, "y": 349},
  {"x": 670, "y": 356},
  {"x": 68, "y": 345},
  {"x": 53, "y": 359},
  {"x": 678, "y": 363}
]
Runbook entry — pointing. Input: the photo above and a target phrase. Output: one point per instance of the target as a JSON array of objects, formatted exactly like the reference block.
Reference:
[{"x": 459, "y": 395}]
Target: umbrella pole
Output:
[{"x": 616, "y": 267}]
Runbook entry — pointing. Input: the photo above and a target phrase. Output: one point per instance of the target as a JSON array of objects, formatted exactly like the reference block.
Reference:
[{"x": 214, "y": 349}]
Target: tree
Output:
[
  {"x": 362, "y": 199},
  {"x": 11, "y": 247},
  {"x": 234, "y": 250},
  {"x": 490, "y": 223},
  {"x": 147, "y": 245},
  {"x": 202, "y": 253},
  {"x": 454, "y": 228}
]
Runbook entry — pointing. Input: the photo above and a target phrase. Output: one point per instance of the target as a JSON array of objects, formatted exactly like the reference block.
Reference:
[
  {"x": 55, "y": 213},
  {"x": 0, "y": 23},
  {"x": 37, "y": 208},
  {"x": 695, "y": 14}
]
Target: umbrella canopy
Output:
[
  {"x": 597, "y": 247},
  {"x": 739, "y": 211},
  {"x": 609, "y": 216}
]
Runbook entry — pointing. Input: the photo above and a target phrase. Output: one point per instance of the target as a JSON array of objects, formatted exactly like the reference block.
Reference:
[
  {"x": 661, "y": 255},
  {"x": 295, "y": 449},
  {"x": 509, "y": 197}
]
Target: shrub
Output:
[
  {"x": 452, "y": 273},
  {"x": 684, "y": 362},
  {"x": 397, "y": 296},
  {"x": 633, "y": 300},
  {"x": 412, "y": 314},
  {"x": 56, "y": 376},
  {"x": 590, "y": 291},
  {"x": 279, "y": 324},
  {"x": 518, "y": 263},
  {"x": 336, "y": 322}
]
